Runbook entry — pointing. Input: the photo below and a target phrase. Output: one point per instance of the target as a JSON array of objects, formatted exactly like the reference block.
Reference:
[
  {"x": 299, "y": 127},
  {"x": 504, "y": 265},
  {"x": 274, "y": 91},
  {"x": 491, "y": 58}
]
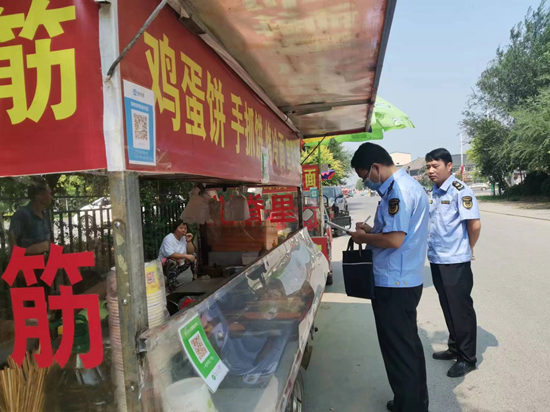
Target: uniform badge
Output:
[
  {"x": 431, "y": 201},
  {"x": 445, "y": 202},
  {"x": 467, "y": 202},
  {"x": 393, "y": 206},
  {"x": 458, "y": 185}
]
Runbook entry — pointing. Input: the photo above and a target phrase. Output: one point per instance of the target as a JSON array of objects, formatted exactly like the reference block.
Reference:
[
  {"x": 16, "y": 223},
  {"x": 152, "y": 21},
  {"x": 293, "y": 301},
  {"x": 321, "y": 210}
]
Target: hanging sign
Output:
[
  {"x": 51, "y": 101},
  {"x": 310, "y": 177}
]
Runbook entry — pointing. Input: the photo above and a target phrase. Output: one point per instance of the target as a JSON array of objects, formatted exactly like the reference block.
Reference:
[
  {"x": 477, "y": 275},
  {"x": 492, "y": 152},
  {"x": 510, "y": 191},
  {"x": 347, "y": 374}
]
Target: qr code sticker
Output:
[
  {"x": 198, "y": 346},
  {"x": 140, "y": 126},
  {"x": 140, "y": 122}
]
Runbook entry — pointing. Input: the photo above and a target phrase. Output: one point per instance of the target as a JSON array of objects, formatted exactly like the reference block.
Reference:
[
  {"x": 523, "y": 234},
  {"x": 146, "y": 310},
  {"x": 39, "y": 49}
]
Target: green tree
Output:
[
  {"x": 530, "y": 137},
  {"x": 520, "y": 70},
  {"x": 340, "y": 154},
  {"x": 505, "y": 117},
  {"x": 341, "y": 167},
  {"x": 487, "y": 151}
]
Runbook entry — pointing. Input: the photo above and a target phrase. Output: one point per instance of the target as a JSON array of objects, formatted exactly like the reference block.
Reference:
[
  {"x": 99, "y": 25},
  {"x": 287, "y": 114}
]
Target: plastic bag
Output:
[
  {"x": 236, "y": 208},
  {"x": 197, "y": 210},
  {"x": 215, "y": 210}
]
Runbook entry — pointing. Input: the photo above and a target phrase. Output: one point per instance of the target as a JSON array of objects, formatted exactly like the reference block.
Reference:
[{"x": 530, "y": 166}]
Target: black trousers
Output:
[
  {"x": 454, "y": 283},
  {"x": 395, "y": 316}
]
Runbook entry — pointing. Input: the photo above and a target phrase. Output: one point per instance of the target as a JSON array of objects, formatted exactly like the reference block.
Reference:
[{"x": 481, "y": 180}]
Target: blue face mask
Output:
[{"x": 370, "y": 184}]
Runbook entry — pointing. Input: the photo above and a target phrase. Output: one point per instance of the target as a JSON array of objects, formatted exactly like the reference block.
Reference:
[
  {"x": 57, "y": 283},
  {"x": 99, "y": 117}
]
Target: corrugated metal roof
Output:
[{"x": 317, "y": 61}]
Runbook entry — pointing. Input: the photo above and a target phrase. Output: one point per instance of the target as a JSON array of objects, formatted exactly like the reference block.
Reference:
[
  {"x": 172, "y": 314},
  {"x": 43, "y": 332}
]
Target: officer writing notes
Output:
[
  {"x": 454, "y": 230},
  {"x": 398, "y": 241}
]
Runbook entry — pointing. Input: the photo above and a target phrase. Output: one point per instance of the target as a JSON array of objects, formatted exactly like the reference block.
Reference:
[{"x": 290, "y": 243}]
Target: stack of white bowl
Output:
[{"x": 156, "y": 296}]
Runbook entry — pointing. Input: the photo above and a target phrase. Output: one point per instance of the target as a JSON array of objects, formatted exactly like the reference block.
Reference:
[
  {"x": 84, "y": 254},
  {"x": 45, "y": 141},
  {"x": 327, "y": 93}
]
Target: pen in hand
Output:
[{"x": 360, "y": 225}]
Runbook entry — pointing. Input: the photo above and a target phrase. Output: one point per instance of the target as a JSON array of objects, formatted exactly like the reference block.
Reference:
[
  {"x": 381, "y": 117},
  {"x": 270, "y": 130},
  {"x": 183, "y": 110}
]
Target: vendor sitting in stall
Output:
[{"x": 177, "y": 255}]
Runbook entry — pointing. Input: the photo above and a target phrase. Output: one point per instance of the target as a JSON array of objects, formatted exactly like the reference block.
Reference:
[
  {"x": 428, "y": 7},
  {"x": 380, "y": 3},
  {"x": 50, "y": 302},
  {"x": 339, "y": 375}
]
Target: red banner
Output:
[
  {"x": 206, "y": 120},
  {"x": 51, "y": 104},
  {"x": 310, "y": 177},
  {"x": 322, "y": 243}
]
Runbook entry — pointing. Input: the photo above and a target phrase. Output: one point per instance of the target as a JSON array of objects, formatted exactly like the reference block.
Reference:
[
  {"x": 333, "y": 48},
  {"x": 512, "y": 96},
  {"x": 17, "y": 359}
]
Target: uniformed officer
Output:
[
  {"x": 454, "y": 231},
  {"x": 398, "y": 241}
]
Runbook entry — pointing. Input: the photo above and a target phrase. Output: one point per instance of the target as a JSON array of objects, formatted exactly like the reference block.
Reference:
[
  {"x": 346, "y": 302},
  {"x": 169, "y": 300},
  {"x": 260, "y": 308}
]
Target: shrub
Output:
[
  {"x": 533, "y": 183},
  {"x": 545, "y": 187}
]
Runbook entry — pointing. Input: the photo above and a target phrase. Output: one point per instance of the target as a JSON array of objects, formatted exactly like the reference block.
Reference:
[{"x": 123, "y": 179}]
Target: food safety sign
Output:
[{"x": 139, "y": 111}]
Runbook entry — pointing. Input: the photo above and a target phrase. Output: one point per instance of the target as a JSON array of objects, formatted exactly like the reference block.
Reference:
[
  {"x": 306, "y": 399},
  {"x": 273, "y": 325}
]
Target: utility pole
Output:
[{"x": 461, "y": 159}]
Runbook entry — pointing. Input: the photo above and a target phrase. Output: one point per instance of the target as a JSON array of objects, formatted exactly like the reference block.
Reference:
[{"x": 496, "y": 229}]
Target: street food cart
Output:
[{"x": 210, "y": 92}]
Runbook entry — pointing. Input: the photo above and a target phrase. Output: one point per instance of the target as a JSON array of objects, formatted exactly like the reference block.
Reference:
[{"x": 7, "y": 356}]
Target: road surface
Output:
[{"x": 511, "y": 288}]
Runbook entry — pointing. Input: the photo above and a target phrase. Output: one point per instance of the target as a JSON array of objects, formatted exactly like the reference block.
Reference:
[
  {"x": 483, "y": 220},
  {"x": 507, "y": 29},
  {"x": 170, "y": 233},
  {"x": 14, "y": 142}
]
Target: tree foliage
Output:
[
  {"x": 489, "y": 136},
  {"x": 508, "y": 115},
  {"x": 335, "y": 157},
  {"x": 530, "y": 137}
]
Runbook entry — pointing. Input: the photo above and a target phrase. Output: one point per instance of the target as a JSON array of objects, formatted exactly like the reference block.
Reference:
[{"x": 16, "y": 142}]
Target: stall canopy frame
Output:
[{"x": 271, "y": 45}]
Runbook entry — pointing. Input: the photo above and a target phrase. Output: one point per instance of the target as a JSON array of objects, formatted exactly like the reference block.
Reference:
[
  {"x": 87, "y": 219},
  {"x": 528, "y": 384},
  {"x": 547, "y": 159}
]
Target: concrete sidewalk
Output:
[
  {"x": 534, "y": 210},
  {"x": 347, "y": 373}
]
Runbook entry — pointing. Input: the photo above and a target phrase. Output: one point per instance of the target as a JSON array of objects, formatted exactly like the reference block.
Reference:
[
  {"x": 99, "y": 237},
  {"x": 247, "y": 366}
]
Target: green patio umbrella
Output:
[{"x": 385, "y": 117}]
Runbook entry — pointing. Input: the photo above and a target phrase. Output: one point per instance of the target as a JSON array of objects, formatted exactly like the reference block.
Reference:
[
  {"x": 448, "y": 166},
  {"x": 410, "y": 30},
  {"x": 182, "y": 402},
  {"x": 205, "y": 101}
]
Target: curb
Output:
[{"x": 515, "y": 215}]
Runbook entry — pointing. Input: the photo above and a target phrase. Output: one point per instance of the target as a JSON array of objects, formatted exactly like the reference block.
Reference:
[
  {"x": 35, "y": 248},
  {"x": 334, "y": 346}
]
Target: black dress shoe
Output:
[
  {"x": 460, "y": 368},
  {"x": 389, "y": 405},
  {"x": 444, "y": 355}
]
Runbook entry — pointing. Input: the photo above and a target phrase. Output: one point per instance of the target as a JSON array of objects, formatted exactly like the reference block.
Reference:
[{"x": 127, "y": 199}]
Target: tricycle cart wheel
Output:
[{"x": 295, "y": 403}]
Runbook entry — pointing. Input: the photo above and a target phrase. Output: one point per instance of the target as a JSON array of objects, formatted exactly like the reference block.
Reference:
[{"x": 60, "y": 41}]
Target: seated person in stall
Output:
[
  {"x": 177, "y": 254},
  {"x": 30, "y": 225}
]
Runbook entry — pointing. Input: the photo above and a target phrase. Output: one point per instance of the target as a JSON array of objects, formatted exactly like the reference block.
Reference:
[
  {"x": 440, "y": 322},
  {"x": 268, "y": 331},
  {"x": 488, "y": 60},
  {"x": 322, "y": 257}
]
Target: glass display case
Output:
[{"x": 257, "y": 324}]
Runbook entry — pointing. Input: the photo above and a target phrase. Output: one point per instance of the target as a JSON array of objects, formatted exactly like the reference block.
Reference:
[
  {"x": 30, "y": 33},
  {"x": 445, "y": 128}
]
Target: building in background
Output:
[
  {"x": 418, "y": 166},
  {"x": 401, "y": 159}
]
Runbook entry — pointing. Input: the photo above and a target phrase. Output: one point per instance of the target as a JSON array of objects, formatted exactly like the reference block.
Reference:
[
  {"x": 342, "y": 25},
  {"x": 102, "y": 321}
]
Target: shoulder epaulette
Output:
[
  {"x": 458, "y": 185},
  {"x": 391, "y": 186}
]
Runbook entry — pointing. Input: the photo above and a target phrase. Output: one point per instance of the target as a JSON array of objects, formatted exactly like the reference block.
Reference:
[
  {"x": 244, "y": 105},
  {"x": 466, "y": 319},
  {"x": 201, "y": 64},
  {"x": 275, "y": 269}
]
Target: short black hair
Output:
[
  {"x": 36, "y": 189},
  {"x": 439, "y": 154},
  {"x": 369, "y": 153},
  {"x": 177, "y": 223}
]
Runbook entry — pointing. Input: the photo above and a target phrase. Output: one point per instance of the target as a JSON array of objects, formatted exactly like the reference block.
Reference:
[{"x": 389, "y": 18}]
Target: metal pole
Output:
[
  {"x": 461, "y": 159},
  {"x": 320, "y": 178},
  {"x": 130, "y": 276},
  {"x": 320, "y": 194},
  {"x": 136, "y": 37}
]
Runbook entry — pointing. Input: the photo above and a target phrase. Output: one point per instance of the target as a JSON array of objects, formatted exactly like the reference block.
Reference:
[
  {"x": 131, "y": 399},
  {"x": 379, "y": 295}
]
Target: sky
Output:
[{"x": 436, "y": 52}]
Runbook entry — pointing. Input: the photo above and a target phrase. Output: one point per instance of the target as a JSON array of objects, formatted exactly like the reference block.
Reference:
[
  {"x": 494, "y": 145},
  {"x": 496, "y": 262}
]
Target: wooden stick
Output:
[{"x": 22, "y": 387}]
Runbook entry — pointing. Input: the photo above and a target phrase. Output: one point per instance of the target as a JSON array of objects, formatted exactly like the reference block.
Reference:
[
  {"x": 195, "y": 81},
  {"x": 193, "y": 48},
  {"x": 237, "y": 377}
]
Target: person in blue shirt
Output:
[
  {"x": 398, "y": 241},
  {"x": 454, "y": 231}
]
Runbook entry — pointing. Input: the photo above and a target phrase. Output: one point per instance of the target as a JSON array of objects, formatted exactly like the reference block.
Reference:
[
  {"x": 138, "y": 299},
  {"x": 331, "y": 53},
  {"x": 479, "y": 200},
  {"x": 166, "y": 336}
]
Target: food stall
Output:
[{"x": 134, "y": 90}]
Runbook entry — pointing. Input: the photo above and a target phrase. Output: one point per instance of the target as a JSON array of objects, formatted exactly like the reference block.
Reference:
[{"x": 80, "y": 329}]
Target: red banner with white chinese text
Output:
[
  {"x": 51, "y": 104},
  {"x": 207, "y": 121}
]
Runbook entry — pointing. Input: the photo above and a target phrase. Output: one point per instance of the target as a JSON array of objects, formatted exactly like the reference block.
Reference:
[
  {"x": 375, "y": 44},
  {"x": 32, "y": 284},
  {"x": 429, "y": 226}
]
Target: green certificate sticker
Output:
[{"x": 200, "y": 352}]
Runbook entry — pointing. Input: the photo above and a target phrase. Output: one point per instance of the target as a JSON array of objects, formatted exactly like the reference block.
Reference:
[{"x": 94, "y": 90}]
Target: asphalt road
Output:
[{"x": 511, "y": 298}]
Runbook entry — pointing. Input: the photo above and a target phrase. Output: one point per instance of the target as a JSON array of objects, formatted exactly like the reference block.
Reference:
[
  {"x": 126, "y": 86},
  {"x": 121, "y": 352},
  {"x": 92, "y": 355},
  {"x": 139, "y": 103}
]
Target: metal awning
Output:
[{"x": 315, "y": 62}]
